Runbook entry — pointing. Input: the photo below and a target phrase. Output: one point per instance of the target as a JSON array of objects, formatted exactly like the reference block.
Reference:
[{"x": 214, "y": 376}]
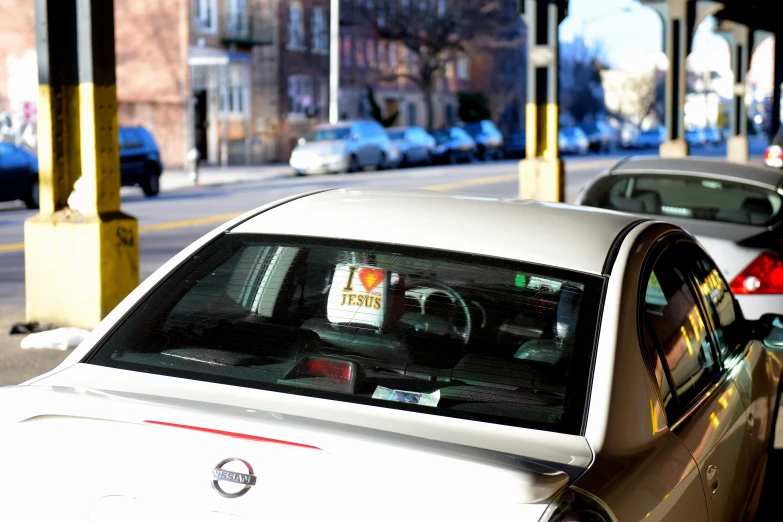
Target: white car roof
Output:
[{"x": 553, "y": 234}]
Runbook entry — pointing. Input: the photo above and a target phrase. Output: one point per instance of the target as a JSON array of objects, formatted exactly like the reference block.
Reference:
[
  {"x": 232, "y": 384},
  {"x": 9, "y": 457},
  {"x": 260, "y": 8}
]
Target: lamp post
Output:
[{"x": 334, "y": 60}]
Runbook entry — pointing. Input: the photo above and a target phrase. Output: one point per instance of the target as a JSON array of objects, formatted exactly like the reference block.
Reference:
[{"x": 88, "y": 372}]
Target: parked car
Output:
[
  {"x": 651, "y": 138},
  {"x": 600, "y": 136},
  {"x": 695, "y": 137},
  {"x": 573, "y": 141},
  {"x": 734, "y": 210},
  {"x": 773, "y": 155},
  {"x": 515, "y": 146},
  {"x": 140, "y": 163},
  {"x": 629, "y": 136},
  {"x": 343, "y": 147},
  {"x": 713, "y": 135},
  {"x": 453, "y": 145},
  {"x": 410, "y": 146},
  {"x": 489, "y": 140},
  {"x": 287, "y": 367},
  {"x": 18, "y": 175}
]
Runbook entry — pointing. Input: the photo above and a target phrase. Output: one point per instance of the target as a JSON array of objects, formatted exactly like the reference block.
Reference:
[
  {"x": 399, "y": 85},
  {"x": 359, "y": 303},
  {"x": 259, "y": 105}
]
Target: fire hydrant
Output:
[{"x": 192, "y": 165}]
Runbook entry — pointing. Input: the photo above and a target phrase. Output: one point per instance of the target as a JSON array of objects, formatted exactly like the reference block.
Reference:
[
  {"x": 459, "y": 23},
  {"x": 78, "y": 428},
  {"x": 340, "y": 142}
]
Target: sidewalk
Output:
[{"x": 174, "y": 179}]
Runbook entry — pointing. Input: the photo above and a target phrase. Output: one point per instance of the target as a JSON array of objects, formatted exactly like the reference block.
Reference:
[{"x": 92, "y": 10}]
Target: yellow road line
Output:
[
  {"x": 16, "y": 247},
  {"x": 12, "y": 247},
  {"x": 189, "y": 222}
]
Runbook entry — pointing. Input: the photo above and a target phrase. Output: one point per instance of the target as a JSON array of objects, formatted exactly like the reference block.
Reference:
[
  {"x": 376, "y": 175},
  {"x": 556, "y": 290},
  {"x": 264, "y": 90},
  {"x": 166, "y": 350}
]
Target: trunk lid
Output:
[{"x": 145, "y": 455}]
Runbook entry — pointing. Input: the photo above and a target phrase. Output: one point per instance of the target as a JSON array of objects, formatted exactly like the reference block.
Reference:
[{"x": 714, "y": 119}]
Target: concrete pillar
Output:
[
  {"x": 81, "y": 262},
  {"x": 678, "y": 17},
  {"x": 740, "y": 41},
  {"x": 542, "y": 173},
  {"x": 776, "y": 83}
]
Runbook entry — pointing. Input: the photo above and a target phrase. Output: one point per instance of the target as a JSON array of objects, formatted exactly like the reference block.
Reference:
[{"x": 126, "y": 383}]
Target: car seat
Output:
[{"x": 555, "y": 350}]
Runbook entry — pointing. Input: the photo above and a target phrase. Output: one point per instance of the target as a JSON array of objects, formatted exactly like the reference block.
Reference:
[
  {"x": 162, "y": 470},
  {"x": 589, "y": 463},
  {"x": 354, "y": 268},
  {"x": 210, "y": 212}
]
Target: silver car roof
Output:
[
  {"x": 701, "y": 167},
  {"x": 553, "y": 234}
]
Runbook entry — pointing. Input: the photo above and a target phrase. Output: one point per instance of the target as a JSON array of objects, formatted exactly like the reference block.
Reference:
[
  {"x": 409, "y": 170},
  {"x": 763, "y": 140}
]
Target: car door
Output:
[
  {"x": 15, "y": 179},
  {"x": 705, "y": 409},
  {"x": 363, "y": 145},
  {"x": 746, "y": 361}
]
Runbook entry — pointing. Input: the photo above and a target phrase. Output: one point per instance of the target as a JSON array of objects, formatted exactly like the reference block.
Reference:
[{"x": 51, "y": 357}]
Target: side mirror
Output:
[
  {"x": 301, "y": 141},
  {"x": 355, "y": 137},
  {"x": 773, "y": 330}
]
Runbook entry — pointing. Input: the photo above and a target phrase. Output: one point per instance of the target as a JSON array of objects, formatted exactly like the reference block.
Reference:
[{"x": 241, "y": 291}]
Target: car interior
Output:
[
  {"x": 693, "y": 198},
  {"x": 373, "y": 326}
]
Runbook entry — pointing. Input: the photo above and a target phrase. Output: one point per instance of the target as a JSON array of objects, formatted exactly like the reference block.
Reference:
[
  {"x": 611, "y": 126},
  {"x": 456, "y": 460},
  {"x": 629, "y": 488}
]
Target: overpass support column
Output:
[
  {"x": 81, "y": 262},
  {"x": 542, "y": 173},
  {"x": 776, "y": 83},
  {"x": 678, "y": 17},
  {"x": 740, "y": 41}
]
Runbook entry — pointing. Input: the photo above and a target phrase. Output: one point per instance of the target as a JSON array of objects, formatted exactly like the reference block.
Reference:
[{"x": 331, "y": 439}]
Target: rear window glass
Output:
[
  {"x": 693, "y": 198},
  {"x": 396, "y": 135},
  {"x": 328, "y": 134},
  {"x": 439, "y": 333}
]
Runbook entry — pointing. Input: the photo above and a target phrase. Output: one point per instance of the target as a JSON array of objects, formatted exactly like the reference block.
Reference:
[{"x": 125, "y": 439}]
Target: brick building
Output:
[{"x": 366, "y": 59}]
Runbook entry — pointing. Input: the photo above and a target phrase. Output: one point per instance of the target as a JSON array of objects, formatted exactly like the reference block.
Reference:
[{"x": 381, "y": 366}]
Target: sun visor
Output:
[{"x": 358, "y": 296}]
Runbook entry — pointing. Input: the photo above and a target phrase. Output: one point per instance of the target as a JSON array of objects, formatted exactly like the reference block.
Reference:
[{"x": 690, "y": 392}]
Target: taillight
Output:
[
  {"x": 763, "y": 276},
  {"x": 340, "y": 370},
  {"x": 773, "y": 156}
]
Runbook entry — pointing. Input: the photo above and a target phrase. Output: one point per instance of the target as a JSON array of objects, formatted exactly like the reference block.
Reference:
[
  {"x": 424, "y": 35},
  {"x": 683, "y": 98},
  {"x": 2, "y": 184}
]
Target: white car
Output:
[
  {"x": 343, "y": 147},
  {"x": 380, "y": 362},
  {"x": 734, "y": 210}
]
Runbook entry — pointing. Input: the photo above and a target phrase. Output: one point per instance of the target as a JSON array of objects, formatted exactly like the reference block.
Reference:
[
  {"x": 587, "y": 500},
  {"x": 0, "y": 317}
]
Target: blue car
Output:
[
  {"x": 140, "y": 165},
  {"x": 18, "y": 175}
]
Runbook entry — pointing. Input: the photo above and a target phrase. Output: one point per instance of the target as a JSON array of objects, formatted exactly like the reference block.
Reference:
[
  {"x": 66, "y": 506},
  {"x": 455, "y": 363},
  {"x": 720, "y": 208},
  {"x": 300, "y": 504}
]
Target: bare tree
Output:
[
  {"x": 435, "y": 33},
  {"x": 581, "y": 89},
  {"x": 635, "y": 95}
]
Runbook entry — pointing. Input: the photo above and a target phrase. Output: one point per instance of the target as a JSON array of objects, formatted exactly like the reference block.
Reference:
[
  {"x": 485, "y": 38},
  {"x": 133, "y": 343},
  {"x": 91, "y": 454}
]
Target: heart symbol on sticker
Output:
[{"x": 370, "y": 278}]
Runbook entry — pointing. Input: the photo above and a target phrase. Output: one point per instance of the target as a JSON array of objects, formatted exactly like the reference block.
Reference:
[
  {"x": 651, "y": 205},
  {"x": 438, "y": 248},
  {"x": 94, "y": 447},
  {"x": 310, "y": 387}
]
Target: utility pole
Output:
[{"x": 334, "y": 61}]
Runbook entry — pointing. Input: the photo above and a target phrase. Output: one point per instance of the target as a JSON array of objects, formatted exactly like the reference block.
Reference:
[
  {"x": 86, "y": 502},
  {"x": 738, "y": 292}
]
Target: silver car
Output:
[
  {"x": 352, "y": 352},
  {"x": 734, "y": 210},
  {"x": 345, "y": 147},
  {"x": 411, "y": 146}
]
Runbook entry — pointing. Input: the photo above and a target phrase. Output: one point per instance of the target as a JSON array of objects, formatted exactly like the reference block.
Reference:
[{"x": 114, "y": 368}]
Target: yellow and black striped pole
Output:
[
  {"x": 541, "y": 173},
  {"x": 79, "y": 262}
]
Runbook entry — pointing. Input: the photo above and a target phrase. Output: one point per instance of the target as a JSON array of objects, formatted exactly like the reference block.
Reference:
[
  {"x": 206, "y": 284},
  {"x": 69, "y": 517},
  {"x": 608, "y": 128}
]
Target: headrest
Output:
[
  {"x": 760, "y": 209},
  {"x": 628, "y": 204}
]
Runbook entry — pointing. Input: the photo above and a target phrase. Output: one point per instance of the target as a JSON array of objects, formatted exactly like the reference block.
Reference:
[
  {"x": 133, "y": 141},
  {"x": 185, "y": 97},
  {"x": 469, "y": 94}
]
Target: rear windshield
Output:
[
  {"x": 474, "y": 129},
  {"x": 438, "y": 333},
  {"x": 691, "y": 197}
]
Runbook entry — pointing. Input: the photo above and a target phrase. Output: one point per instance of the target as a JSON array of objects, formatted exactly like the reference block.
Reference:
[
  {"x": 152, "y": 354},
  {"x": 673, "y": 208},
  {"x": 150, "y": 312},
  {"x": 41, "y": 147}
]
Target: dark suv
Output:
[{"x": 140, "y": 160}]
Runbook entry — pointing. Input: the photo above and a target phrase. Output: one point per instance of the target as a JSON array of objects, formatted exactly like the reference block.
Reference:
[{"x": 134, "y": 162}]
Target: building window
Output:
[
  {"x": 205, "y": 13},
  {"x": 462, "y": 67},
  {"x": 360, "y": 53},
  {"x": 296, "y": 34},
  {"x": 320, "y": 36},
  {"x": 370, "y": 53},
  {"x": 406, "y": 56},
  {"x": 300, "y": 94},
  {"x": 235, "y": 102},
  {"x": 237, "y": 17},
  {"x": 347, "y": 50},
  {"x": 411, "y": 114},
  {"x": 381, "y": 56},
  {"x": 393, "y": 56}
]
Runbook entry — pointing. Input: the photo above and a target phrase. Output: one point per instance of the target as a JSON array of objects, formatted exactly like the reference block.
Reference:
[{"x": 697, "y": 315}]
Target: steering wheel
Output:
[{"x": 422, "y": 292}]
